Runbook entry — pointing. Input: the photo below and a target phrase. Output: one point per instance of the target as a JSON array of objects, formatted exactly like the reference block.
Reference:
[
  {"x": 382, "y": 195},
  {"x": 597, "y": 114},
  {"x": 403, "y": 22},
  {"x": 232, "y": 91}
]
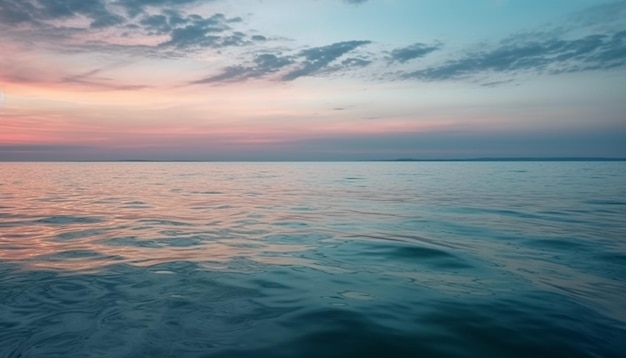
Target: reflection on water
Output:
[{"x": 312, "y": 259}]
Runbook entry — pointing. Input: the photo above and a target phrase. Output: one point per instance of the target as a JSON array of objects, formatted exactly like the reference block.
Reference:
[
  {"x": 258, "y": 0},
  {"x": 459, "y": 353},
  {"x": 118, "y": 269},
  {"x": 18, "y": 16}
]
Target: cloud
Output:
[
  {"x": 262, "y": 66},
  {"x": 307, "y": 62},
  {"x": 135, "y": 7},
  {"x": 61, "y": 22},
  {"x": 590, "y": 40},
  {"x": 412, "y": 52},
  {"x": 88, "y": 80},
  {"x": 38, "y": 147},
  {"x": 525, "y": 53},
  {"x": 84, "y": 80},
  {"x": 102, "y": 13},
  {"x": 316, "y": 59},
  {"x": 80, "y": 76},
  {"x": 160, "y": 24},
  {"x": 38, "y": 12},
  {"x": 602, "y": 16},
  {"x": 354, "y": 62},
  {"x": 198, "y": 31},
  {"x": 14, "y": 12},
  {"x": 593, "y": 39}
]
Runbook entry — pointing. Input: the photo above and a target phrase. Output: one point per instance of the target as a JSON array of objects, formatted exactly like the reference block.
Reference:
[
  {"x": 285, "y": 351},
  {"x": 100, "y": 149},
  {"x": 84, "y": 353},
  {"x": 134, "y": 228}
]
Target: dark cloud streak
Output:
[
  {"x": 318, "y": 58},
  {"x": 185, "y": 31},
  {"x": 136, "y": 7},
  {"x": 38, "y": 12},
  {"x": 307, "y": 62},
  {"x": 414, "y": 51},
  {"x": 544, "y": 56},
  {"x": 16, "y": 12},
  {"x": 263, "y": 65},
  {"x": 201, "y": 32}
]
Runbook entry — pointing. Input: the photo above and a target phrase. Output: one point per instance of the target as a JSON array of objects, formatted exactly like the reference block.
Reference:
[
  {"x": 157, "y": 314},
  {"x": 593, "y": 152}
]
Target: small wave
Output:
[
  {"x": 131, "y": 242},
  {"x": 80, "y": 234},
  {"x": 164, "y": 222},
  {"x": 605, "y": 202},
  {"x": 68, "y": 219},
  {"x": 180, "y": 241},
  {"x": 70, "y": 254}
]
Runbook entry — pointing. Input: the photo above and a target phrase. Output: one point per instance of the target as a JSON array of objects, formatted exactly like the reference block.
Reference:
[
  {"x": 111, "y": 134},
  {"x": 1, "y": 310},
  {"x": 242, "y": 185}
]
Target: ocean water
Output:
[{"x": 458, "y": 259}]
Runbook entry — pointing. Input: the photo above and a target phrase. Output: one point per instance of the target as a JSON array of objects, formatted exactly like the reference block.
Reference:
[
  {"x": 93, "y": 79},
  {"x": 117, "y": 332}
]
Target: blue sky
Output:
[{"x": 311, "y": 80}]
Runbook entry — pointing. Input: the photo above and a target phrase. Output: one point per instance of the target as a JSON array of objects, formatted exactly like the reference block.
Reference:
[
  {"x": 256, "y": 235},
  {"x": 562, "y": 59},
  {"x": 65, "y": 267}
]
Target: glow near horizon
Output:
[{"x": 114, "y": 93}]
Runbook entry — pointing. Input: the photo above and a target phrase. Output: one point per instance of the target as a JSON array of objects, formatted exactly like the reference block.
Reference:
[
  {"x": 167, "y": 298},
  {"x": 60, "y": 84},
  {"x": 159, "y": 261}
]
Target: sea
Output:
[{"x": 308, "y": 259}]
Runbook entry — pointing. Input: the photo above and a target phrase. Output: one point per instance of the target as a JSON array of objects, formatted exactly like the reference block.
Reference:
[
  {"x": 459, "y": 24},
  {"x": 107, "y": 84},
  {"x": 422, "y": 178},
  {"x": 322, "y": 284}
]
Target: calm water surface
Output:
[{"x": 507, "y": 259}]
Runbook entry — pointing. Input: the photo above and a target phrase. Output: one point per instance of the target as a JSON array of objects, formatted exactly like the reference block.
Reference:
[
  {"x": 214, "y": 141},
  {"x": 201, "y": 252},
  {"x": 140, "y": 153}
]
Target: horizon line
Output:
[{"x": 477, "y": 159}]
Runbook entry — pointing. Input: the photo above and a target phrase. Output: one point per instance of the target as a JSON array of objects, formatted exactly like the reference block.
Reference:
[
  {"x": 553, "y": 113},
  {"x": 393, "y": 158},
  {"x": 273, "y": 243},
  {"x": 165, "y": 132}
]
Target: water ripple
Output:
[{"x": 312, "y": 260}]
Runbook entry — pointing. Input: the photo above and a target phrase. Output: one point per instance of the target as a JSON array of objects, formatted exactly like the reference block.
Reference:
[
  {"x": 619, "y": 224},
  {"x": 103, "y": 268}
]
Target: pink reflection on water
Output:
[{"x": 82, "y": 217}]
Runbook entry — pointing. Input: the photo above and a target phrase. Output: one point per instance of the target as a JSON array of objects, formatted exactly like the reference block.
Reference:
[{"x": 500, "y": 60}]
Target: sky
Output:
[{"x": 311, "y": 79}]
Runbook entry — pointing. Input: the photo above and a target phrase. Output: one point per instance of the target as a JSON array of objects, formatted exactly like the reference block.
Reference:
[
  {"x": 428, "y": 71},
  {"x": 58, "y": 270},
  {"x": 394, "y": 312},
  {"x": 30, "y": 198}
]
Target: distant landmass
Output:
[
  {"x": 482, "y": 159},
  {"x": 486, "y": 159},
  {"x": 514, "y": 159}
]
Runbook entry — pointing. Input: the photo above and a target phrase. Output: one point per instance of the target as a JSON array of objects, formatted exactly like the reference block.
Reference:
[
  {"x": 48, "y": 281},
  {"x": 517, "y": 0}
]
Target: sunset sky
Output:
[{"x": 311, "y": 79}]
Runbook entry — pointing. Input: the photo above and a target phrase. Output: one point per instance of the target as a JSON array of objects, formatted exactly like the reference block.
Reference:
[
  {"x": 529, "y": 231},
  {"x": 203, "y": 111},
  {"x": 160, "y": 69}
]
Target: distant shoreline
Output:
[
  {"x": 512, "y": 159},
  {"x": 516, "y": 159}
]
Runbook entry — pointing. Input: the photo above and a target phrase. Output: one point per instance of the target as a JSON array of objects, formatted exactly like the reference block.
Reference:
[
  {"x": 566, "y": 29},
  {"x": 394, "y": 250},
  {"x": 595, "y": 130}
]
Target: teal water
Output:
[{"x": 476, "y": 259}]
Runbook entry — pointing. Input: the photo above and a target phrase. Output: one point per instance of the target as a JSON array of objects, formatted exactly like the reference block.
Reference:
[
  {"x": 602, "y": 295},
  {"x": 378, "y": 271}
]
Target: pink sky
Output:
[{"x": 234, "y": 85}]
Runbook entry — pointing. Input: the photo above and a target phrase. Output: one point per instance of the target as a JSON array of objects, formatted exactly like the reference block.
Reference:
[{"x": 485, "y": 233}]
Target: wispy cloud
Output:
[
  {"x": 135, "y": 7},
  {"x": 308, "y": 62},
  {"x": 38, "y": 147},
  {"x": 91, "y": 82},
  {"x": 198, "y": 31},
  {"x": 594, "y": 39},
  {"x": 522, "y": 54},
  {"x": 607, "y": 16},
  {"x": 64, "y": 21},
  {"x": 38, "y": 12},
  {"x": 262, "y": 65},
  {"x": 411, "y": 52},
  {"x": 317, "y": 59}
]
